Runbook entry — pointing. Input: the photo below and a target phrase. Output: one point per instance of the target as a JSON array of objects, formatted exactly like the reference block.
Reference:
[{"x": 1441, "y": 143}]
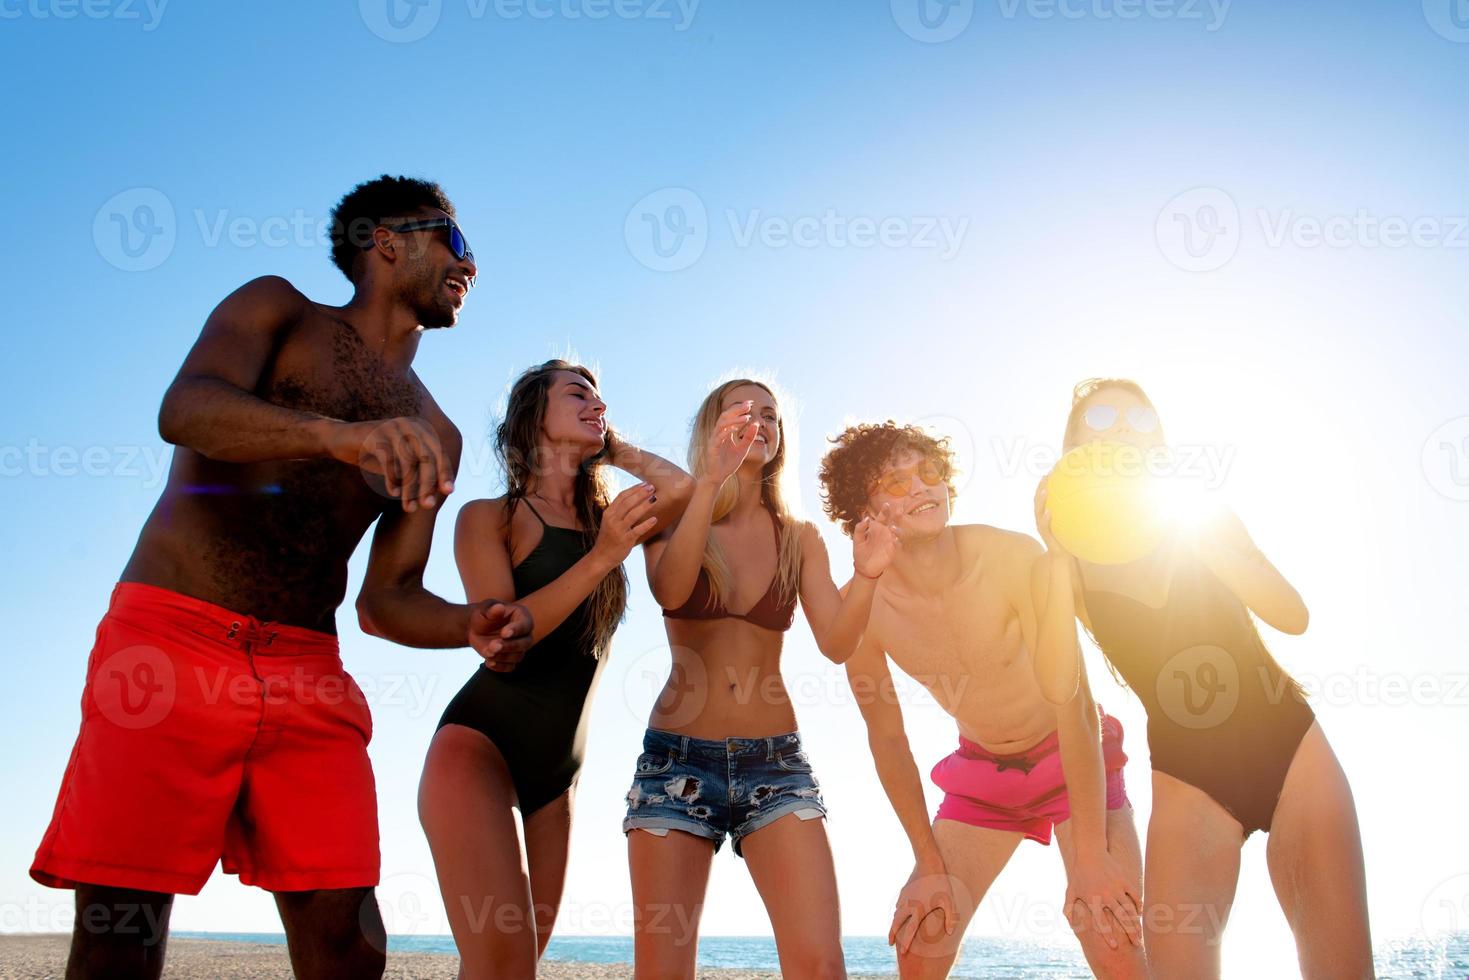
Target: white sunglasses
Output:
[{"x": 1100, "y": 418}]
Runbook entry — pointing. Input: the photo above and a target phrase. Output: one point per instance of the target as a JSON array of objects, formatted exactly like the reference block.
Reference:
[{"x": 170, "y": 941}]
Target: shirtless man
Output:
[
  {"x": 962, "y": 611},
  {"x": 217, "y": 721}
]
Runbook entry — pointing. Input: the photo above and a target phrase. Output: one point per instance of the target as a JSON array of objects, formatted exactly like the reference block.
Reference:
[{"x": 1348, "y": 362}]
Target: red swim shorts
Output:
[
  {"x": 210, "y": 736},
  {"x": 1024, "y": 792}
]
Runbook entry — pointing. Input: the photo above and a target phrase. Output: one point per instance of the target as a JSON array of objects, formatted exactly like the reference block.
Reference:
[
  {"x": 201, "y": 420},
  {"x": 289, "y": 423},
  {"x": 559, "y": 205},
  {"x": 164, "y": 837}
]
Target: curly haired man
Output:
[{"x": 962, "y": 611}]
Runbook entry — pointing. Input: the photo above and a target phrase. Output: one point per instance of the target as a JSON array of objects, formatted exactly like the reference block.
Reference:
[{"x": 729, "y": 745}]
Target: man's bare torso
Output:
[
  {"x": 969, "y": 645},
  {"x": 272, "y": 539}
]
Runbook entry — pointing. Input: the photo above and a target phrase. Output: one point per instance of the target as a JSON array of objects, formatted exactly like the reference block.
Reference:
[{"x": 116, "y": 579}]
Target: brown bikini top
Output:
[{"x": 771, "y": 612}]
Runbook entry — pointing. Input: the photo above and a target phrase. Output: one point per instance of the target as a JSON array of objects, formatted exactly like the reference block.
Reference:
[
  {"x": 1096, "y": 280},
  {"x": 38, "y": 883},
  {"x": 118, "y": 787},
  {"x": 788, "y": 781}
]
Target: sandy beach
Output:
[{"x": 41, "y": 957}]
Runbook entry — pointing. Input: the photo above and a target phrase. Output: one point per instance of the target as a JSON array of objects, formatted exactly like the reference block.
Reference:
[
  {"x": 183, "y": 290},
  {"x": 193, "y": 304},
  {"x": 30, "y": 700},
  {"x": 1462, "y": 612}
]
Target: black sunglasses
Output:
[{"x": 457, "y": 243}]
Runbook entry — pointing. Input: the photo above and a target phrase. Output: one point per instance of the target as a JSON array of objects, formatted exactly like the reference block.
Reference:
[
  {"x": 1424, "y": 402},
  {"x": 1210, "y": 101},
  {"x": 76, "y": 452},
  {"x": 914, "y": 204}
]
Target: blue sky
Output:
[{"x": 1257, "y": 209}]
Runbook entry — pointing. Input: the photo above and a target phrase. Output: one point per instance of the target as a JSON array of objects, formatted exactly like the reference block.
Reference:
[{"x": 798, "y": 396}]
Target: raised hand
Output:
[
  {"x": 734, "y": 434},
  {"x": 625, "y": 523},
  {"x": 500, "y": 632},
  {"x": 405, "y": 452},
  {"x": 874, "y": 543}
]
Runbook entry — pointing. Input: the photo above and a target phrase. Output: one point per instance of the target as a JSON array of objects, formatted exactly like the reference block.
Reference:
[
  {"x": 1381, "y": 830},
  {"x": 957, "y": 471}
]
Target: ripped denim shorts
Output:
[{"x": 713, "y": 787}]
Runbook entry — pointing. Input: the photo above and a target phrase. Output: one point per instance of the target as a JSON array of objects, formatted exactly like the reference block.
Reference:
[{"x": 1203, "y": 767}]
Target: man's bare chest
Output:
[
  {"x": 325, "y": 368},
  {"x": 972, "y": 630}
]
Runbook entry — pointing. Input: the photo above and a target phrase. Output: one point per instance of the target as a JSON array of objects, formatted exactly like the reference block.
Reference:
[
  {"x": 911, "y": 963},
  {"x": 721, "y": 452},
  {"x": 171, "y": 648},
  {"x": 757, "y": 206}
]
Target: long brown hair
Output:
[
  {"x": 1080, "y": 395},
  {"x": 518, "y": 445},
  {"x": 788, "y": 555}
]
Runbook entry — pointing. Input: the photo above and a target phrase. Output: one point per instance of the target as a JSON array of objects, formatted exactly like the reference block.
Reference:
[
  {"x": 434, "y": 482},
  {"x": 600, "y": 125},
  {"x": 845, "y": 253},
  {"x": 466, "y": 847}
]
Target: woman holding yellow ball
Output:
[{"x": 1235, "y": 747}]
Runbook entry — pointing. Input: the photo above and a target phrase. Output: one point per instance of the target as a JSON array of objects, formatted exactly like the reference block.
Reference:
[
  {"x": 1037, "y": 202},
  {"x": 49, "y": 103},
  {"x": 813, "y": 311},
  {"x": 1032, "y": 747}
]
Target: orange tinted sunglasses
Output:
[{"x": 897, "y": 482}]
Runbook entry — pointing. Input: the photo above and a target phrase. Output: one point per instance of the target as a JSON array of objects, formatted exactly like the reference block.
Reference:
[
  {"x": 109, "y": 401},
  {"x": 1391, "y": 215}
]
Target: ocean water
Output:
[{"x": 984, "y": 958}]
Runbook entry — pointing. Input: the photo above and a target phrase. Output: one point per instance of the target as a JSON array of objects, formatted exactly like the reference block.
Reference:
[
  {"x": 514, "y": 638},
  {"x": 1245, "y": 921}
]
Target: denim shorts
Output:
[{"x": 713, "y": 787}]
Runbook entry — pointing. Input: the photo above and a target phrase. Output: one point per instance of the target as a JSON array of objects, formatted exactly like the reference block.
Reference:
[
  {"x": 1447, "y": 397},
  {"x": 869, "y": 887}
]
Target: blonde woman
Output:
[
  {"x": 722, "y": 755},
  {"x": 1235, "y": 747}
]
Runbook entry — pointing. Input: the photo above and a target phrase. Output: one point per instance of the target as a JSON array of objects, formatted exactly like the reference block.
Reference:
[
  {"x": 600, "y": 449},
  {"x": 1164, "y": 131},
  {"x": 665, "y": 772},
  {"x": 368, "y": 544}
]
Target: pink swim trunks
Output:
[{"x": 1025, "y": 792}]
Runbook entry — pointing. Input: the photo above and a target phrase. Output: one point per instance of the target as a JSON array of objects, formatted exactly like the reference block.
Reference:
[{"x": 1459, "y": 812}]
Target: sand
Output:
[{"x": 36, "y": 957}]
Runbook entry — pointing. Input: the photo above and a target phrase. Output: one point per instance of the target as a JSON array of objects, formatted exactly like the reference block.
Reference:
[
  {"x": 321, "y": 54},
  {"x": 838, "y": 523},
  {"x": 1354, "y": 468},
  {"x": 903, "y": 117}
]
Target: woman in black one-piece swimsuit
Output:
[
  {"x": 1235, "y": 747},
  {"x": 515, "y": 738}
]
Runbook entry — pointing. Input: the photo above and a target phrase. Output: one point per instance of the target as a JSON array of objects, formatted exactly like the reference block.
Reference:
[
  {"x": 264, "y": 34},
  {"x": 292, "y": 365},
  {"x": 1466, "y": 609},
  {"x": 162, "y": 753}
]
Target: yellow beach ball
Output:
[{"x": 1103, "y": 504}]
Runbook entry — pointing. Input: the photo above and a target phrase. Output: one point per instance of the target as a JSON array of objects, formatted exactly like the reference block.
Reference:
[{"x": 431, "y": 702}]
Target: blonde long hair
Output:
[{"x": 788, "y": 556}]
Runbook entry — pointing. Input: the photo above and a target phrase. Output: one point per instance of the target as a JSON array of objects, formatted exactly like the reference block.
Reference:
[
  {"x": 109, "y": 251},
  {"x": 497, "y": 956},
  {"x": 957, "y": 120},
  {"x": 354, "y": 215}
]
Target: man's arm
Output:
[
  {"x": 394, "y": 604},
  {"x": 928, "y": 888},
  {"x": 212, "y": 406},
  {"x": 876, "y": 696}
]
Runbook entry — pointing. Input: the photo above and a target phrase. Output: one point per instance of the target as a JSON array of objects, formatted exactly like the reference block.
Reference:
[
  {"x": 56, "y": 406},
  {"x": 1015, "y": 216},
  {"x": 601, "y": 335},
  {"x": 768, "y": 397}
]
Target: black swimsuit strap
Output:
[{"x": 526, "y": 501}]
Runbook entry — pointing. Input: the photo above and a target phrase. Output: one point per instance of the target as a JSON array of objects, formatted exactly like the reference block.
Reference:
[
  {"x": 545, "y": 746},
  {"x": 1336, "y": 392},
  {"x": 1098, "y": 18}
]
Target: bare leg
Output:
[
  {"x": 973, "y": 857},
  {"x": 791, "y": 863},
  {"x": 1189, "y": 880},
  {"x": 1126, "y": 960},
  {"x": 465, "y": 803},
  {"x": 669, "y": 878},
  {"x": 547, "y": 844},
  {"x": 333, "y": 933},
  {"x": 119, "y": 932},
  {"x": 1315, "y": 860}
]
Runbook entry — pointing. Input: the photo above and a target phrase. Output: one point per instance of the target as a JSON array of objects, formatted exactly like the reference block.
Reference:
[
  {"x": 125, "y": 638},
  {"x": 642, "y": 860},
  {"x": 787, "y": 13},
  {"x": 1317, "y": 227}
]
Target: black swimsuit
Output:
[
  {"x": 537, "y": 713},
  {"x": 1222, "y": 715}
]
